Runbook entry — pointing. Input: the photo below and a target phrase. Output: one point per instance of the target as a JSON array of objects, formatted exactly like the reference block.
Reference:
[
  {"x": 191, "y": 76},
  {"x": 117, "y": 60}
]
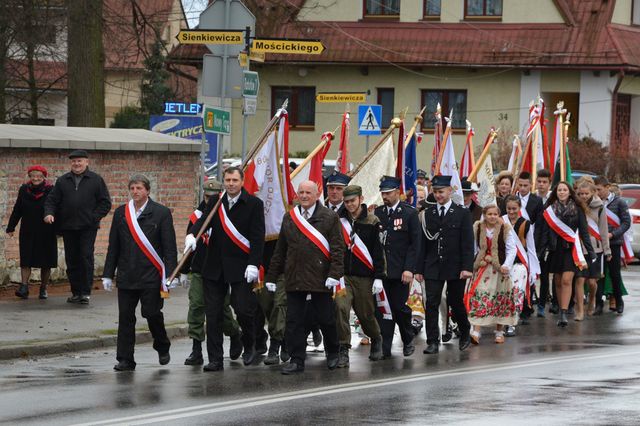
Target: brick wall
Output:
[{"x": 173, "y": 178}]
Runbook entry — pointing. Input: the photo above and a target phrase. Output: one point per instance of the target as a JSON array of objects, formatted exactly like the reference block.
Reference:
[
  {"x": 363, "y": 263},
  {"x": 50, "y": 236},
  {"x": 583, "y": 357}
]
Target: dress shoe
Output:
[
  {"x": 432, "y": 348},
  {"x": 554, "y": 308},
  {"x": 235, "y": 347},
  {"x": 214, "y": 366},
  {"x": 386, "y": 355},
  {"x": 317, "y": 337},
  {"x": 510, "y": 331},
  {"x": 620, "y": 306},
  {"x": 195, "y": 358},
  {"x": 284, "y": 354},
  {"x": 343, "y": 356},
  {"x": 292, "y": 368},
  {"x": 375, "y": 353},
  {"x": 164, "y": 358},
  {"x": 249, "y": 356},
  {"x": 464, "y": 343},
  {"x": 74, "y": 299},
  {"x": 43, "y": 295},
  {"x": 84, "y": 300},
  {"x": 408, "y": 349},
  {"x": 332, "y": 361},
  {"x": 261, "y": 342},
  {"x": 125, "y": 366},
  {"x": 272, "y": 356},
  {"x": 598, "y": 309},
  {"x": 571, "y": 311},
  {"x": 446, "y": 337},
  {"x": 563, "y": 321},
  {"x": 23, "y": 291},
  {"x": 540, "y": 311}
]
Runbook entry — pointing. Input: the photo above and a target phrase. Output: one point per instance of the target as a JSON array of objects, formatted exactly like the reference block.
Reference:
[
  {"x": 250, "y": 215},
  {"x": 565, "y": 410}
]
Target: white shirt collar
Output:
[
  {"x": 234, "y": 199},
  {"x": 310, "y": 210},
  {"x": 141, "y": 209},
  {"x": 524, "y": 198},
  {"x": 544, "y": 197},
  {"x": 394, "y": 207},
  {"x": 610, "y": 197},
  {"x": 446, "y": 205},
  {"x": 337, "y": 205}
]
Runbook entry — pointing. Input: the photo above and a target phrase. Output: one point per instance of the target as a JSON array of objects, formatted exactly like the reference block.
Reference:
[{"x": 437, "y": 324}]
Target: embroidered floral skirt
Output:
[{"x": 495, "y": 299}]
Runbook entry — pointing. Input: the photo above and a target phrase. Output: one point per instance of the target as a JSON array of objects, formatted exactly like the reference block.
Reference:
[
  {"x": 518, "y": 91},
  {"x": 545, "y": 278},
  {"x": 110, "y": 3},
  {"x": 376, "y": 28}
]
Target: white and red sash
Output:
[
  {"x": 594, "y": 229},
  {"x": 231, "y": 231},
  {"x": 311, "y": 233},
  {"x": 383, "y": 305},
  {"x": 355, "y": 244},
  {"x": 144, "y": 244},
  {"x": 197, "y": 214},
  {"x": 521, "y": 252},
  {"x": 614, "y": 221},
  {"x": 567, "y": 234}
]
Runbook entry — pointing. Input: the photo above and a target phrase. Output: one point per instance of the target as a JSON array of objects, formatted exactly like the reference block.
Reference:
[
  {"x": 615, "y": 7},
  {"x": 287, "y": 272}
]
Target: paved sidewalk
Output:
[{"x": 43, "y": 327}]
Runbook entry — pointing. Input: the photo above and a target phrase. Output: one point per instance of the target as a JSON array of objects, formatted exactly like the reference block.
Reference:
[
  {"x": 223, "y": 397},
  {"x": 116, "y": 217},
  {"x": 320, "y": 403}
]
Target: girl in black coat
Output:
[
  {"x": 38, "y": 246},
  {"x": 571, "y": 211}
]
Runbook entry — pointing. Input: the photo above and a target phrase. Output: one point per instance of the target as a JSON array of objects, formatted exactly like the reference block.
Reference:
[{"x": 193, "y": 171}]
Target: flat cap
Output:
[
  {"x": 79, "y": 153},
  {"x": 212, "y": 186}
]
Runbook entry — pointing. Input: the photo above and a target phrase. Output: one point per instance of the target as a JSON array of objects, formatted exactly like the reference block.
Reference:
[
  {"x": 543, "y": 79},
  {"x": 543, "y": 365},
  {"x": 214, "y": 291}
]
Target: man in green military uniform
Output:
[
  {"x": 273, "y": 302},
  {"x": 364, "y": 270},
  {"x": 196, "y": 315}
]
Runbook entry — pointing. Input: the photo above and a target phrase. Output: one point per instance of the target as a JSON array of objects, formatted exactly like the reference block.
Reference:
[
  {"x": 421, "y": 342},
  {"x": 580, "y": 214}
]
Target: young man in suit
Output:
[
  {"x": 233, "y": 256},
  {"x": 446, "y": 255}
]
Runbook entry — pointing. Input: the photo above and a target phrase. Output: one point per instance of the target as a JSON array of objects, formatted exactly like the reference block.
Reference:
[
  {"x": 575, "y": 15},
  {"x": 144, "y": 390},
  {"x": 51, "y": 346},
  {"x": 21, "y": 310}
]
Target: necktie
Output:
[
  {"x": 231, "y": 203},
  {"x": 306, "y": 214},
  {"x": 441, "y": 211},
  {"x": 390, "y": 212},
  {"x": 333, "y": 208}
]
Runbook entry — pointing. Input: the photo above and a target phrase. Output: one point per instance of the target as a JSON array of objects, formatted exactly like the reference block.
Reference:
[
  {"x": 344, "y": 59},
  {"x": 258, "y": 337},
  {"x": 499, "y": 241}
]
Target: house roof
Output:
[
  {"x": 587, "y": 39},
  {"x": 48, "y": 75}
]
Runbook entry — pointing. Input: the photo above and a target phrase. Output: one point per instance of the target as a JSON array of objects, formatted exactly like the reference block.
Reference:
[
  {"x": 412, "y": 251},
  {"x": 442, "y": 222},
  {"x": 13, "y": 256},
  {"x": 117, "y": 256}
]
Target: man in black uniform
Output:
[
  {"x": 140, "y": 272},
  {"x": 233, "y": 255},
  {"x": 446, "y": 255},
  {"x": 336, "y": 182},
  {"x": 77, "y": 203},
  {"x": 401, "y": 239}
]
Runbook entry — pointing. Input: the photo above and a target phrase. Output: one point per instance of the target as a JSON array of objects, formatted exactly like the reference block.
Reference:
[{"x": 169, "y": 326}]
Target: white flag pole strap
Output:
[
  {"x": 383, "y": 305},
  {"x": 567, "y": 234},
  {"x": 144, "y": 244},
  {"x": 311, "y": 233},
  {"x": 356, "y": 245},
  {"x": 231, "y": 231}
]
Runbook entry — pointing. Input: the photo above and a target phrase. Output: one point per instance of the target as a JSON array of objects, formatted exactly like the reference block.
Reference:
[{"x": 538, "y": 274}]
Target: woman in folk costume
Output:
[
  {"x": 526, "y": 255},
  {"x": 599, "y": 232},
  {"x": 564, "y": 232},
  {"x": 492, "y": 298}
]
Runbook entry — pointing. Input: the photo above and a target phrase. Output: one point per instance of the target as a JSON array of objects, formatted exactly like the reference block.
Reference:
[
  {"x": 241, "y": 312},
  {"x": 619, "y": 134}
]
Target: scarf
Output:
[{"x": 38, "y": 191}]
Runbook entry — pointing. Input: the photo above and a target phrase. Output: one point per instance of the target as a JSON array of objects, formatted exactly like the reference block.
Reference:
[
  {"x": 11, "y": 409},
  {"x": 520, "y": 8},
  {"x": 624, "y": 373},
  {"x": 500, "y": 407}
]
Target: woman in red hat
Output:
[{"x": 38, "y": 246}]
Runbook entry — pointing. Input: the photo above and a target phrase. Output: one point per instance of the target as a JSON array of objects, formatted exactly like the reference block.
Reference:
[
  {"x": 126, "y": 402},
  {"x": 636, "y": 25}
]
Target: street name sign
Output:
[
  {"x": 210, "y": 37},
  {"x": 216, "y": 120},
  {"x": 287, "y": 46},
  {"x": 341, "y": 97}
]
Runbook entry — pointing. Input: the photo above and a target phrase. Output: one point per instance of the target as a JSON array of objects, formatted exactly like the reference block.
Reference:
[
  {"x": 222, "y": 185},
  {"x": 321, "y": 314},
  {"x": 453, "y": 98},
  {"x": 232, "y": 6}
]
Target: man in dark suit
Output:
[
  {"x": 233, "y": 256},
  {"x": 446, "y": 255},
  {"x": 531, "y": 203},
  {"x": 469, "y": 189},
  {"x": 401, "y": 238},
  {"x": 139, "y": 278}
]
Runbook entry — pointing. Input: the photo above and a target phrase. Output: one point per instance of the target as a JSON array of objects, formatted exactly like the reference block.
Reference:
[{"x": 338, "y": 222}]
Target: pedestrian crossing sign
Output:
[{"x": 369, "y": 119}]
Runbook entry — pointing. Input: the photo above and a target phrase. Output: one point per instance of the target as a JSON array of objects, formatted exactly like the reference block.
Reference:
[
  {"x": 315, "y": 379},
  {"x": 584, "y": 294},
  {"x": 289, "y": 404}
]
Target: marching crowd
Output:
[{"x": 474, "y": 266}]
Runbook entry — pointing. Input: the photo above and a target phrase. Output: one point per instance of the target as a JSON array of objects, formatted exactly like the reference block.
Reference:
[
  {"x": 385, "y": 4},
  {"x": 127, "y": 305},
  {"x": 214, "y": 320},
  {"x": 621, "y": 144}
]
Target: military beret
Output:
[{"x": 352, "y": 191}]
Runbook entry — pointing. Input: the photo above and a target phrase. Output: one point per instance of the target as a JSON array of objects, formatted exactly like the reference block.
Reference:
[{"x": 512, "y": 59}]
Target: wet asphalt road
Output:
[{"x": 586, "y": 374}]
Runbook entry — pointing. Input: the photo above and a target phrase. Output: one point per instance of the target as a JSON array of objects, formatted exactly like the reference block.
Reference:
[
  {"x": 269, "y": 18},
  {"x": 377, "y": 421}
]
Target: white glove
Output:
[
  {"x": 377, "y": 286},
  {"x": 251, "y": 273},
  {"x": 107, "y": 284},
  {"x": 189, "y": 243},
  {"x": 270, "y": 287},
  {"x": 173, "y": 284},
  {"x": 184, "y": 281},
  {"x": 331, "y": 283}
]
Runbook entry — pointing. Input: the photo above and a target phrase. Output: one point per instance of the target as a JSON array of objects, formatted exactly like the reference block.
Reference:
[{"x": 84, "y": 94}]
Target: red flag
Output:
[
  {"x": 400, "y": 157},
  {"x": 342, "y": 162},
  {"x": 283, "y": 141},
  {"x": 467, "y": 163},
  {"x": 313, "y": 169},
  {"x": 437, "y": 141},
  {"x": 545, "y": 138}
]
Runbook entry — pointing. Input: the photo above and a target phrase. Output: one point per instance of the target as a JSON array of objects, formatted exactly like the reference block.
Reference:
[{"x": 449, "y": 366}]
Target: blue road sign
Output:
[{"x": 369, "y": 119}]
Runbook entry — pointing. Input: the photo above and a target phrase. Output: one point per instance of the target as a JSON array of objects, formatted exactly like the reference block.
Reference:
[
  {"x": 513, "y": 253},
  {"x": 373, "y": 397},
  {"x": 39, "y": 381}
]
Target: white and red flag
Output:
[
  {"x": 342, "y": 162},
  {"x": 467, "y": 163},
  {"x": 449, "y": 166},
  {"x": 437, "y": 140},
  {"x": 311, "y": 167},
  {"x": 516, "y": 150},
  {"x": 556, "y": 143}
]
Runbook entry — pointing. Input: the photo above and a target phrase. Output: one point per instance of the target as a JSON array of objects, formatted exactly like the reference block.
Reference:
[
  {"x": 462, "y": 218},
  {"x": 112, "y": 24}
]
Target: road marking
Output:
[{"x": 217, "y": 407}]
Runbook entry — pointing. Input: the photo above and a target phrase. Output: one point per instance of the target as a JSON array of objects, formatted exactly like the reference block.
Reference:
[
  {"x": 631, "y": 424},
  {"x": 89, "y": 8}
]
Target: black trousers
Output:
[
  {"x": 151, "y": 308},
  {"x": 614, "y": 266},
  {"x": 78, "y": 254},
  {"x": 296, "y": 330},
  {"x": 244, "y": 303},
  {"x": 455, "y": 299},
  {"x": 547, "y": 292},
  {"x": 397, "y": 294}
]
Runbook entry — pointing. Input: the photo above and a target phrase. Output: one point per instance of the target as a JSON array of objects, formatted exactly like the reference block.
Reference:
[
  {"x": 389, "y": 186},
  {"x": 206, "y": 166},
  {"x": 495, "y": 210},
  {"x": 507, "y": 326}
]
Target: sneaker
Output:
[
  {"x": 43, "y": 294},
  {"x": 510, "y": 331},
  {"x": 84, "y": 300},
  {"x": 74, "y": 299}
]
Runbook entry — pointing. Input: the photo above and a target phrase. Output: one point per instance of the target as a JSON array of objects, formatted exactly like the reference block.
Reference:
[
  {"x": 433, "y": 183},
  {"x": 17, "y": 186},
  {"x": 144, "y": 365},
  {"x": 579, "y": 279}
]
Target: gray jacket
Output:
[
  {"x": 618, "y": 206},
  {"x": 597, "y": 214}
]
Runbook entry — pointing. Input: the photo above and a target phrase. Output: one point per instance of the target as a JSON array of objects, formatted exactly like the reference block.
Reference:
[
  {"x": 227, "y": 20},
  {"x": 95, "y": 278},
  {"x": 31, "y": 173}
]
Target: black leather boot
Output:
[
  {"x": 273, "y": 357},
  {"x": 563, "y": 321},
  {"x": 195, "y": 358},
  {"x": 23, "y": 291}
]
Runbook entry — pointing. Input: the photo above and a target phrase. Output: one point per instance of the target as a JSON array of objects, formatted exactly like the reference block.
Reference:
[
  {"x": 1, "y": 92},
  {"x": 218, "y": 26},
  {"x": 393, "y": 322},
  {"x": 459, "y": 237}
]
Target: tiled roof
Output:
[
  {"x": 586, "y": 40},
  {"x": 48, "y": 75}
]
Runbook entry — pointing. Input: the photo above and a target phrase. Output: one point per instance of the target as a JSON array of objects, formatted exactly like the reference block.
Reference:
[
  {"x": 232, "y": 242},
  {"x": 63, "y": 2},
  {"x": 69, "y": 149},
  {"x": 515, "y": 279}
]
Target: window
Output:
[
  {"x": 389, "y": 8},
  {"x": 635, "y": 12},
  {"x": 431, "y": 8},
  {"x": 480, "y": 8},
  {"x": 385, "y": 98},
  {"x": 448, "y": 100},
  {"x": 302, "y": 104}
]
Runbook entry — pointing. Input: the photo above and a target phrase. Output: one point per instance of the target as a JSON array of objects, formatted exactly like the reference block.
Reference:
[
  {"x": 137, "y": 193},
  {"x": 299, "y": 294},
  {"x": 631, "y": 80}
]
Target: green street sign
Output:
[
  {"x": 216, "y": 120},
  {"x": 250, "y": 83}
]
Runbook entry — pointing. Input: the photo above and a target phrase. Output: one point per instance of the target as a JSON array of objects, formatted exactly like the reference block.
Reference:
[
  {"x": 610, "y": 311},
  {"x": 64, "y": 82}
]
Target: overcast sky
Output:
[{"x": 192, "y": 9}]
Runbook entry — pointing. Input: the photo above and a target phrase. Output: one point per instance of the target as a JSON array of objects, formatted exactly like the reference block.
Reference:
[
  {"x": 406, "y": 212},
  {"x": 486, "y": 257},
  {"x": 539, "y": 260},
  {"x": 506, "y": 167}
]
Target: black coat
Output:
[
  {"x": 225, "y": 260},
  {"x": 81, "y": 207},
  {"x": 367, "y": 227},
  {"x": 135, "y": 270},
  {"x": 550, "y": 240},
  {"x": 38, "y": 244},
  {"x": 534, "y": 208},
  {"x": 401, "y": 236},
  {"x": 447, "y": 244}
]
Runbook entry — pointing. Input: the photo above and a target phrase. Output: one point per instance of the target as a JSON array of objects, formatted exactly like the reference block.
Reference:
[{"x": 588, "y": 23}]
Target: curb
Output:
[{"x": 78, "y": 344}]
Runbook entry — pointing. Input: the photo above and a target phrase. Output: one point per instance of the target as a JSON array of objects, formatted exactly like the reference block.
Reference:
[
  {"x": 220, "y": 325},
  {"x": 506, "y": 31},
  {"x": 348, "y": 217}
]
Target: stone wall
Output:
[{"x": 173, "y": 178}]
